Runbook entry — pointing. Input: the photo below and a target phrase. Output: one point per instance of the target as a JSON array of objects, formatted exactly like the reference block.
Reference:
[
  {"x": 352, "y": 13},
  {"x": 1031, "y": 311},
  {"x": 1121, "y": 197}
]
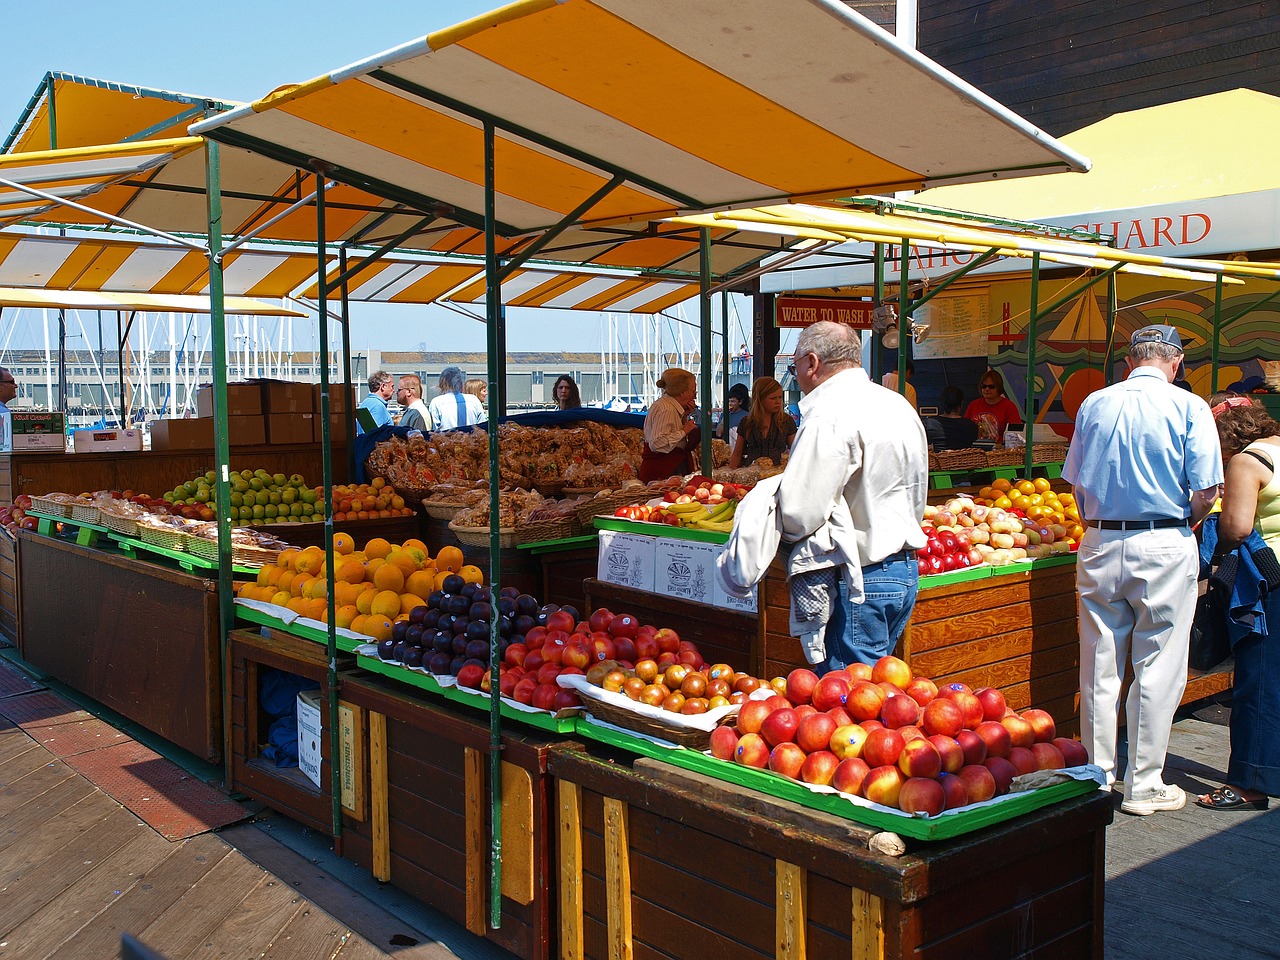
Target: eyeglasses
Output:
[{"x": 988, "y": 386}]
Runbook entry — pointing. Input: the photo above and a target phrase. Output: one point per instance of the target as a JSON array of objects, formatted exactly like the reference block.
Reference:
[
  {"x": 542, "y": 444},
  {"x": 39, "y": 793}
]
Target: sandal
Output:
[{"x": 1226, "y": 798}]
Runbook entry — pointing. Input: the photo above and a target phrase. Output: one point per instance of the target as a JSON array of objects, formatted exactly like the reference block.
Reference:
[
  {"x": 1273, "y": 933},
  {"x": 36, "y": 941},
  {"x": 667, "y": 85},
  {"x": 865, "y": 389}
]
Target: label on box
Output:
[
  {"x": 84, "y": 441},
  {"x": 727, "y": 600},
  {"x": 39, "y": 441},
  {"x": 309, "y": 735},
  {"x": 626, "y": 559},
  {"x": 685, "y": 568},
  {"x": 37, "y": 422}
]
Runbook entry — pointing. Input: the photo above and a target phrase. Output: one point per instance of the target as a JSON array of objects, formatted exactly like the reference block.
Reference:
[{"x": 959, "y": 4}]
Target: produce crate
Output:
[
  {"x": 427, "y": 830},
  {"x": 658, "y": 861}
]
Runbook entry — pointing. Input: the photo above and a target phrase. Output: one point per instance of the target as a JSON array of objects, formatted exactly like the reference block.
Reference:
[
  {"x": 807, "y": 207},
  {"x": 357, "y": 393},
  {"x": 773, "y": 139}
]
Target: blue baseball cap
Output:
[{"x": 1156, "y": 333}]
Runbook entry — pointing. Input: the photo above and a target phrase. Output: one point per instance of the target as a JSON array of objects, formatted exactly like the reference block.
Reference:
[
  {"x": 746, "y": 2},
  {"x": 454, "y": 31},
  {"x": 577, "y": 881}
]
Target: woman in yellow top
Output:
[{"x": 1251, "y": 501}]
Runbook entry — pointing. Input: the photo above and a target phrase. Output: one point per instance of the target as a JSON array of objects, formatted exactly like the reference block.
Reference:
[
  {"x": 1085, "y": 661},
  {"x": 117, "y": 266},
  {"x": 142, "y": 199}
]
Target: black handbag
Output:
[{"x": 1210, "y": 644}]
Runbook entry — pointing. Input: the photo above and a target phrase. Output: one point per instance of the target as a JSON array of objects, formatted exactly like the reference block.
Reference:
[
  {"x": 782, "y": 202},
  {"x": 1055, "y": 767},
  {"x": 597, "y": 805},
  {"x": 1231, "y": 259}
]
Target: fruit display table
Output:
[
  {"x": 659, "y": 861},
  {"x": 143, "y": 640}
]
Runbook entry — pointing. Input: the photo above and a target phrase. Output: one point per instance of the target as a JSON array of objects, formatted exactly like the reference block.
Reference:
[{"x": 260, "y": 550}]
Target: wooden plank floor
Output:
[{"x": 77, "y": 870}]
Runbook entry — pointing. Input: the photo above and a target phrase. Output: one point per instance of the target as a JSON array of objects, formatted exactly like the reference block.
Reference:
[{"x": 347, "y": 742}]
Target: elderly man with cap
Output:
[{"x": 1146, "y": 467}]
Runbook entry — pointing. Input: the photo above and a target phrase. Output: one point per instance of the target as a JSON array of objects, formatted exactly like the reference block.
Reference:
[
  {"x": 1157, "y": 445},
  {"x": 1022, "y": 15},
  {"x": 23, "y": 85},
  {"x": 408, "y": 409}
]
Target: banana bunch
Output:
[
  {"x": 720, "y": 520},
  {"x": 687, "y": 513}
]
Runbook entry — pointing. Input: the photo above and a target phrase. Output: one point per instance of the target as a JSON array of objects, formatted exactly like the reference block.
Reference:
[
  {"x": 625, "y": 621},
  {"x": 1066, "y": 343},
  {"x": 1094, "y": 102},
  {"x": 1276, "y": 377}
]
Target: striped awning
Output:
[
  {"x": 77, "y": 174},
  {"x": 144, "y": 302},
  {"x": 689, "y": 106}
]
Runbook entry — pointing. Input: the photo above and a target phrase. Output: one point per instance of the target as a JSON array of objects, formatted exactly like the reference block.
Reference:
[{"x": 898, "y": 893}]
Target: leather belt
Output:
[{"x": 1163, "y": 523}]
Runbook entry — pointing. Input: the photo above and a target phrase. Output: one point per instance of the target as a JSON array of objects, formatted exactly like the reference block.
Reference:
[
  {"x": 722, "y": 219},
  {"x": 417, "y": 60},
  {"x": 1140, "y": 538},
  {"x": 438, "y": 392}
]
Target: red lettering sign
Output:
[
  {"x": 1155, "y": 232},
  {"x": 802, "y": 311}
]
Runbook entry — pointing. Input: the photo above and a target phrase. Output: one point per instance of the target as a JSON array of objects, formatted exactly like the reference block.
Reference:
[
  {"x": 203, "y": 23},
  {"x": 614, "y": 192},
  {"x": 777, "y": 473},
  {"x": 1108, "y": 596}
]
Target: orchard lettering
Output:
[{"x": 1149, "y": 232}]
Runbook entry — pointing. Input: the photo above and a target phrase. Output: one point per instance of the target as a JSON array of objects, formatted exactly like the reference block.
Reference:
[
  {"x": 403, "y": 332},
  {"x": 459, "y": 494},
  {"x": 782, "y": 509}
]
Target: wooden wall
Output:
[{"x": 1064, "y": 65}]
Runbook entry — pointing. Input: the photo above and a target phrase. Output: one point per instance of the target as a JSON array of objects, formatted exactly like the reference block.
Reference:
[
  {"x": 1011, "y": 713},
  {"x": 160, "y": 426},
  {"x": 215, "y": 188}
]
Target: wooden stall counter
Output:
[
  {"x": 656, "y": 861},
  {"x": 138, "y": 637}
]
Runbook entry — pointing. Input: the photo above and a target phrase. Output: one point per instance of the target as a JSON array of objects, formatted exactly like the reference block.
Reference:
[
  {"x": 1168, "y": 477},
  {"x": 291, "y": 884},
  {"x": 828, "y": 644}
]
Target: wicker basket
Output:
[
  {"x": 442, "y": 509},
  {"x": 581, "y": 491},
  {"x": 595, "y": 507},
  {"x": 479, "y": 536},
  {"x": 85, "y": 512},
  {"x": 1048, "y": 452},
  {"x": 166, "y": 539},
  {"x": 969, "y": 458},
  {"x": 541, "y": 530},
  {"x": 1006, "y": 457},
  {"x": 125, "y": 526},
  {"x": 54, "y": 508},
  {"x": 689, "y": 737},
  {"x": 933, "y": 462}
]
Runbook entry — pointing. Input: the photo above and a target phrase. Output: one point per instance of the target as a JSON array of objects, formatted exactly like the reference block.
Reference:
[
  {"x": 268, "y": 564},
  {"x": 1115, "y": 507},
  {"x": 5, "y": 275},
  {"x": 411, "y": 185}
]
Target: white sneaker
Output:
[{"x": 1169, "y": 798}]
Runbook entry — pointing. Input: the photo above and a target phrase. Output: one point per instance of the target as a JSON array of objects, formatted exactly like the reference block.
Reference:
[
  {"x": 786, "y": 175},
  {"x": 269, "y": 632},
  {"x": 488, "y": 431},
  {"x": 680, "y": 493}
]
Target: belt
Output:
[{"x": 1163, "y": 523}]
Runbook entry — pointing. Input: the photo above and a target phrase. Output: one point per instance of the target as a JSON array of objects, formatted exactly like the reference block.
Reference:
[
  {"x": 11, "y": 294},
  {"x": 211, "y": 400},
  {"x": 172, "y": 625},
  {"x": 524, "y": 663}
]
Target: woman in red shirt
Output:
[{"x": 992, "y": 411}]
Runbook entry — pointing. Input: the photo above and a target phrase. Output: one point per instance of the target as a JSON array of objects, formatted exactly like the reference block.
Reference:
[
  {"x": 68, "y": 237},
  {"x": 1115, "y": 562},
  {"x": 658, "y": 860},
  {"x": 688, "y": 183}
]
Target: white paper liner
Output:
[
  {"x": 698, "y": 721},
  {"x": 289, "y": 617}
]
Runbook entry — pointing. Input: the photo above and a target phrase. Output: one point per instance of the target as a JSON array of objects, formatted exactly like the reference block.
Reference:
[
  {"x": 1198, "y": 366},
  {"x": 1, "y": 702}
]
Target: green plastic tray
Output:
[
  {"x": 91, "y": 535},
  {"x": 659, "y": 530},
  {"x": 424, "y": 681},
  {"x": 539, "y": 547},
  {"x": 302, "y": 630},
  {"x": 921, "y": 828}
]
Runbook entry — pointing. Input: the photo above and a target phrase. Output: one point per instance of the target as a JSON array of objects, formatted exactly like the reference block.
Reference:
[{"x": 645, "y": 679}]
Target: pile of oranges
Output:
[
  {"x": 373, "y": 587},
  {"x": 1035, "y": 500}
]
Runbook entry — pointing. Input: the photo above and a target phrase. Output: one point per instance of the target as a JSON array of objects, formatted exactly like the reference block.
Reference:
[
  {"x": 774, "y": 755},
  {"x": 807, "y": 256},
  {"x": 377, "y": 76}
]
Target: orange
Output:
[
  {"x": 281, "y": 599},
  {"x": 364, "y": 602},
  {"x": 420, "y": 582},
  {"x": 1025, "y": 486},
  {"x": 349, "y": 571},
  {"x": 403, "y": 560},
  {"x": 301, "y": 586},
  {"x": 988, "y": 493},
  {"x": 344, "y": 614},
  {"x": 386, "y": 603},
  {"x": 344, "y": 593},
  {"x": 317, "y": 608},
  {"x": 415, "y": 544},
  {"x": 408, "y": 601},
  {"x": 297, "y": 604},
  {"x": 440, "y": 575},
  {"x": 471, "y": 573},
  {"x": 449, "y": 558},
  {"x": 378, "y": 627},
  {"x": 1041, "y": 484},
  {"x": 1003, "y": 485},
  {"x": 389, "y": 577},
  {"x": 357, "y": 623},
  {"x": 1002, "y": 502},
  {"x": 343, "y": 543},
  {"x": 309, "y": 560},
  {"x": 288, "y": 557},
  {"x": 371, "y": 567},
  {"x": 318, "y": 589},
  {"x": 377, "y": 547},
  {"x": 262, "y": 576}
]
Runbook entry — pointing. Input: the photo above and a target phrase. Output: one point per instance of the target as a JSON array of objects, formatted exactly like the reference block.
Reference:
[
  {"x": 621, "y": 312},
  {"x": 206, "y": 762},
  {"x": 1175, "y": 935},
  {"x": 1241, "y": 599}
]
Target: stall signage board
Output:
[
  {"x": 685, "y": 569},
  {"x": 626, "y": 559},
  {"x": 792, "y": 312}
]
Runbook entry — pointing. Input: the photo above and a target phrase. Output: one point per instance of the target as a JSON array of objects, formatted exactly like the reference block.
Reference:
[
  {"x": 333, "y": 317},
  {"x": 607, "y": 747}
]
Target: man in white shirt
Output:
[
  {"x": 865, "y": 444},
  {"x": 416, "y": 416}
]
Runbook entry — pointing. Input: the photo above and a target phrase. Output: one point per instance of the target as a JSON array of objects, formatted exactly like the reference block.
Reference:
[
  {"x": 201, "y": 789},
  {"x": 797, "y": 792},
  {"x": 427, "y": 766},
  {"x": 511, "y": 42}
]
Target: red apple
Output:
[
  {"x": 560, "y": 621},
  {"x": 470, "y": 676},
  {"x": 1023, "y": 760},
  {"x": 535, "y": 637},
  {"x": 523, "y": 692},
  {"x": 882, "y": 747},
  {"x": 1021, "y": 733},
  {"x": 819, "y": 767},
  {"x": 974, "y": 747},
  {"x": 979, "y": 782},
  {"x": 883, "y": 784},
  {"x": 751, "y": 715},
  {"x": 574, "y": 655},
  {"x": 839, "y": 715},
  {"x": 1073, "y": 752},
  {"x": 919, "y": 758},
  {"x": 955, "y": 791},
  {"x": 943, "y": 717},
  {"x": 599, "y": 619},
  {"x": 547, "y": 673},
  {"x": 780, "y": 727},
  {"x": 951, "y": 689},
  {"x": 544, "y": 696},
  {"x": 601, "y": 648},
  {"x": 1048, "y": 757},
  {"x": 814, "y": 732},
  {"x": 922, "y": 690},
  {"x": 950, "y": 751},
  {"x": 624, "y": 649},
  {"x": 858, "y": 671},
  {"x": 624, "y": 625},
  {"x": 993, "y": 703},
  {"x": 970, "y": 706},
  {"x": 514, "y": 655},
  {"x": 899, "y": 711},
  {"x": 805, "y": 710},
  {"x": 864, "y": 700},
  {"x": 891, "y": 689},
  {"x": 1042, "y": 725},
  {"x": 787, "y": 759},
  {"x": 752, "y": 751},
  {"x": 911, "y": 732},
  {"x": 849, "y": 775},
  {"x": 892, "y": 670},
  {"x": 996, "y": 737},
  {"x": 800, "y": 685},
  {"x": 847, "y": 741},
  {"x": 724, "y": 742},
  {"x": 831, "y": 691},
  {"x": 646, "y": 647},
  {"x": 922, "y": 795},
  {"x": 1003, "y": 772},
  {"x": 869, "y": 725},
  {"x": 668, "y": 640}
]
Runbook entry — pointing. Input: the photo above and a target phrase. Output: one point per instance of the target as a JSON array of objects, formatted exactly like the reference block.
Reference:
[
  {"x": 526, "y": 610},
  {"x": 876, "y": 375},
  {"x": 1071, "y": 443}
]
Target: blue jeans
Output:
[{"x": 865, "y": 632}]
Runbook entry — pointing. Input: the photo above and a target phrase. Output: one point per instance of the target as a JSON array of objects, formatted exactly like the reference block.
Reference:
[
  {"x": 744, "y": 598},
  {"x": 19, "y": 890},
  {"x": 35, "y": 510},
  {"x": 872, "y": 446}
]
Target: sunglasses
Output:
[{"x": 988, "y": 386}]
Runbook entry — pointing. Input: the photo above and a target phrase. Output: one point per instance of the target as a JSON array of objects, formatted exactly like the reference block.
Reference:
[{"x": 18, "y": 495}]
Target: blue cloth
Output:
[
  {"x": 1238, "y": 576},
  {"x": 735, "y": 420},
  {"x": 376, "y": 406},
  {"x": 865, "y": 632},
  {"x": 1141, "y": 447}
]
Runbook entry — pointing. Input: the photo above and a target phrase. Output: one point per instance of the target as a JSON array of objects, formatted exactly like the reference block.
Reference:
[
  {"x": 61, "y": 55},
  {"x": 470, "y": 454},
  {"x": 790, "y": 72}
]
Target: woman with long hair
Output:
[
  {"x": 992, "y": 411},
  {"x": 767, "y": 431},
  {"x": 565, "y": 393},
  {"x": 671, "y": 430},
  {"x": 477, "y": 388}
]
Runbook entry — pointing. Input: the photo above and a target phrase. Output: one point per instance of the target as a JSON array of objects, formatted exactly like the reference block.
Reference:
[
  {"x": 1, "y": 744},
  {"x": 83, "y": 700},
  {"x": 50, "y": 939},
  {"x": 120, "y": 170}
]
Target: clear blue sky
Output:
[{"x": 240, "y": 50}]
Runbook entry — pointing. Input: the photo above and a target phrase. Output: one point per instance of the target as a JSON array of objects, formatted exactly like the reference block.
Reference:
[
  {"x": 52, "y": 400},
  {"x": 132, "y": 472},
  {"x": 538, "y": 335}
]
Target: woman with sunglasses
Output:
[{"x": 992, "y": 411}]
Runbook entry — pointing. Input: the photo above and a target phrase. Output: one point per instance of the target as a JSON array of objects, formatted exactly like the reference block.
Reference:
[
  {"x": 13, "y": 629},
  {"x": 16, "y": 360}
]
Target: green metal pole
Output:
[
  {"x": 493, "y": 301},
  {"x": 1217, "y": 335},
  {"x": 1028, "y": 419},
  {"x": 725, "y": 362},
  {"x": 1113, "y": 308},
  {"x": 878, "y": 297},
  {"x": 704, "y": 316},
  {"x": 53, "y": 111},
  {"x": 221, "y": 440},
  {"x": 348, "y": 408},
  {"x": 904, "y": 317},
  {"x": 326, "y": 465}
]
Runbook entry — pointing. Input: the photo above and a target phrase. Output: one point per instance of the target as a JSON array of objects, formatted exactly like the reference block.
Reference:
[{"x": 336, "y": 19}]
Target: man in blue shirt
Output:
[
  {"x": 1146, "y": 467},
  {"x": 380, "y": 390}
]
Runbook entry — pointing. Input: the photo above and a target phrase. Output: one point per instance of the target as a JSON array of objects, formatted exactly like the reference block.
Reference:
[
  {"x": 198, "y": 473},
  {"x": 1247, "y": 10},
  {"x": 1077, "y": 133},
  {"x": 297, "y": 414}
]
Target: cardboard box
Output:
[
  {"x": 243, "y": 400},
  {"x": 193, "y": 434},
  {"x": 95, "y": 441},
  {"x": 337, "y": 428},
  {"x": 310, "y": 729},
  {"x": 722, "y": 599},
  {"x": 685, "y": 568},
  {"x": 291, "y": 428},
  {"x": 247, "y": 431},
  {"x": 340, "y": 399},
  {"x": 37, "y": 430},
  {"x": 626, "y": 559},
  {"x": 280, "y": 397}
]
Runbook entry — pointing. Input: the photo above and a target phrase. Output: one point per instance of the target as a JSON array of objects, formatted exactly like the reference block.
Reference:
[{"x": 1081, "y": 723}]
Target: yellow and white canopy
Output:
[{"x": 143, "y": 302}]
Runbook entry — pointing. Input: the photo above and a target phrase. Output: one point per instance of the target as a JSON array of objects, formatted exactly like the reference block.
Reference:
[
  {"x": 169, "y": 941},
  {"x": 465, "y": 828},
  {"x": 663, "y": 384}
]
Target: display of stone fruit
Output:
[{"x": 364, "y": 501}]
